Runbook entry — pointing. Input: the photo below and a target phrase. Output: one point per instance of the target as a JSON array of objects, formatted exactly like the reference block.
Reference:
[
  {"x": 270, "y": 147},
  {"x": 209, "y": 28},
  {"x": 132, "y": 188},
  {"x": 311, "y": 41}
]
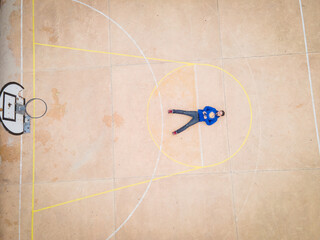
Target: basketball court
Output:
[{"x": 102, "y": 162}]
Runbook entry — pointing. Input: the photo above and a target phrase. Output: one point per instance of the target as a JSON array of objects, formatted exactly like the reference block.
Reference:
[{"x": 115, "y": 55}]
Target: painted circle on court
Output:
[{"x": 173, "y": 158}]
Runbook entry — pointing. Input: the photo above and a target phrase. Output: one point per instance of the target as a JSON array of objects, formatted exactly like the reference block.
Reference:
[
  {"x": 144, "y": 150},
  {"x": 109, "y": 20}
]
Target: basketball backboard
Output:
[{"x": 9, "y": 98}]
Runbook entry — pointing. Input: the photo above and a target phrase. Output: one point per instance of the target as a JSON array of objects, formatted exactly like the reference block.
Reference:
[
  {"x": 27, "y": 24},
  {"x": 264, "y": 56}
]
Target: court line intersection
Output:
[
  {"x": 194, "y": 168},
  {"x": 178, "y": 173}
]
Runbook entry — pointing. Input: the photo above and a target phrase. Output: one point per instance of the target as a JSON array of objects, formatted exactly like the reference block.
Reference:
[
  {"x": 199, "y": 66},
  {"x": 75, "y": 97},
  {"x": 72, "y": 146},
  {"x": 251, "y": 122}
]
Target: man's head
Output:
[{"x": 220, "y": 113}]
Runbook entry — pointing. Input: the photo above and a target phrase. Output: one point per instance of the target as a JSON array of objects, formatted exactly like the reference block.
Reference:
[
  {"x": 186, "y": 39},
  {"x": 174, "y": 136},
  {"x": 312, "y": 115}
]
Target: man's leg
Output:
[
  {"x": 188, "y": 113},
  {"x": 193, "y": 121}
]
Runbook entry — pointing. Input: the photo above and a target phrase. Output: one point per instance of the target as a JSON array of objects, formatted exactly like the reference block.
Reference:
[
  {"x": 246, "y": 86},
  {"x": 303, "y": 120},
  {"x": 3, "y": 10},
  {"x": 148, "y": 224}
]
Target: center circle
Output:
[{"x": 174, "y": 159}]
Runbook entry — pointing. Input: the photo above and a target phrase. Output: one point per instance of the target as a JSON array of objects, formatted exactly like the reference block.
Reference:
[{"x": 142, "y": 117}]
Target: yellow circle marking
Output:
[{"x": 185, "y": 164}]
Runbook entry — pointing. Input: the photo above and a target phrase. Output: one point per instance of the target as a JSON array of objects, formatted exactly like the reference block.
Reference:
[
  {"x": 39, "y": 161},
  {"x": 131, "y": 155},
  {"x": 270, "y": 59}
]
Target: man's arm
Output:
[
  {"x": 208, "y": 108},
  {"x": 211, "y": 121}
]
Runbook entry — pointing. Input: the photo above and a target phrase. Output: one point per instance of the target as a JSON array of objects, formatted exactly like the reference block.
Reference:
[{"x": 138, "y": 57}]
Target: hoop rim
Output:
[{"x": 33, "y": 99}]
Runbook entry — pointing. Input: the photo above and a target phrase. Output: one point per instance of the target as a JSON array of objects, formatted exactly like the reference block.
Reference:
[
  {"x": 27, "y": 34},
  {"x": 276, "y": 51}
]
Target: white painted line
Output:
[
  {"x": 21, "y": 82},
  {"x": 20, "y": 183},
  {"x": 21, "y": 43},
  {"x": 199, "y": 125},
  {"x": 309, "y": 74},
  {"x": 161, "y": 106}
]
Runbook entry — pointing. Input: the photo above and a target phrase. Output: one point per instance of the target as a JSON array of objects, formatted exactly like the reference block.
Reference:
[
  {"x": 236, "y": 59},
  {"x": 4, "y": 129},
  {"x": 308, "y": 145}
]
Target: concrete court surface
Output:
[{"x": 84, "y": 171}]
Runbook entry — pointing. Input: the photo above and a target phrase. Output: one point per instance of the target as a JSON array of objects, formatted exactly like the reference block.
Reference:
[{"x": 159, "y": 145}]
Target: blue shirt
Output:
[{"x": 206, "y": 111}]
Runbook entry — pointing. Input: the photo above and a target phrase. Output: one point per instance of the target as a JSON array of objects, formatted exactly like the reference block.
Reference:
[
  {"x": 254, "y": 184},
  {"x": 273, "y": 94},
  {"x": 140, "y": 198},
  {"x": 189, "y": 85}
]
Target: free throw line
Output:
[{"x": 112, "y": 53}]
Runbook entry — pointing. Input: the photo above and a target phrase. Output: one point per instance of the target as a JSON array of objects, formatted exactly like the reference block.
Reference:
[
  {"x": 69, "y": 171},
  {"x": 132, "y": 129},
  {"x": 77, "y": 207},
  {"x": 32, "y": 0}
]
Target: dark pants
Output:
[{"x": 194, "y": 120}]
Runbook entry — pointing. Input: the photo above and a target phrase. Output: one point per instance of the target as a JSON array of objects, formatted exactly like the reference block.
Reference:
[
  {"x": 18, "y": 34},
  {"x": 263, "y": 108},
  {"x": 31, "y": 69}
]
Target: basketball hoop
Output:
[{"x": 13, "y": 109}]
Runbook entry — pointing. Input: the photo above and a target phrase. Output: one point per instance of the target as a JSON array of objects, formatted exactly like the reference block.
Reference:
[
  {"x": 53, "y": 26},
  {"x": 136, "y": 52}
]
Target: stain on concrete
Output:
[
  {"x": 118, "y": 120},
  {"x": 54, "y": 179},
  {"x": 53, "y": 38},
  {"x": 107, "y": 119},
  {"x": 9, "y": 37},
  {"x": 5, "y": 180},
  {"x": 8, "y": 222},
  {"x": 57, "y": 110},
  {"x": 17, "y": 3},
  {"x": 43, "y": 137},
  {"x": 9, "y": 153},
  {"x": 2, "y": 2},
  {"x": 14, "y": 35},
  {"x": 47, "y": 29}
]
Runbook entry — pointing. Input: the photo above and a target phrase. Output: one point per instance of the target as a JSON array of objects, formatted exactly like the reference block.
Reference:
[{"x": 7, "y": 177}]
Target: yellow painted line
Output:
[
  {"x": 113, "y": 190},
  {"x": 111, "y": 53},
  {"x": 172, "y": 158},
  {"x": 177, "y": 173},
  {"x": 147, "y": 181},
  {"x": 34, "y": 110}
]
